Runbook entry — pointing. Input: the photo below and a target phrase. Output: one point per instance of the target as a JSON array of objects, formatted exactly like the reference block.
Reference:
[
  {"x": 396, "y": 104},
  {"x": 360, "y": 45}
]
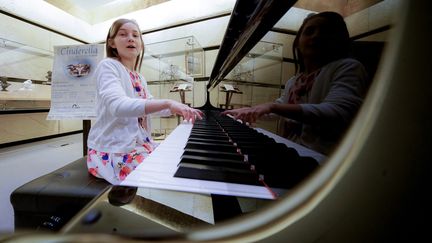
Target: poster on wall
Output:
[{"x": 73, "y": 89}]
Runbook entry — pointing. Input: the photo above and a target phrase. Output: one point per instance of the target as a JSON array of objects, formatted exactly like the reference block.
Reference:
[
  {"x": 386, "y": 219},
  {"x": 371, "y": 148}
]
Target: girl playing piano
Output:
[{"x": 120, "y": 138}]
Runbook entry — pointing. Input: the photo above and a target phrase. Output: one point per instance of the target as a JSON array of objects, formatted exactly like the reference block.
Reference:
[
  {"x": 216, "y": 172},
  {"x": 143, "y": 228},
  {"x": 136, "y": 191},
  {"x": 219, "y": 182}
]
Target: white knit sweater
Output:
[{"x": 116, "y": 128}]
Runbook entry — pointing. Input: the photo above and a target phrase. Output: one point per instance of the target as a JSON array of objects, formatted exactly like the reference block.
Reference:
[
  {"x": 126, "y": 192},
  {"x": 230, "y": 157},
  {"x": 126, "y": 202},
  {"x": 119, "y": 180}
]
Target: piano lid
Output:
[{"x": 249, "y": 22}]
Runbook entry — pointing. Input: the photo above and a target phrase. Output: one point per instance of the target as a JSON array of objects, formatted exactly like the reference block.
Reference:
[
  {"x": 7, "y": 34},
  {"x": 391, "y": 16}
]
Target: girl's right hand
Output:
[{"x": 189, "y": 114}]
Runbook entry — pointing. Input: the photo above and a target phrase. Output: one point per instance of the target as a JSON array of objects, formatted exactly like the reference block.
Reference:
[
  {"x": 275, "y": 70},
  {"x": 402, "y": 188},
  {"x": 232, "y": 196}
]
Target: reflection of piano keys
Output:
[{"x": 157, "y": 170}]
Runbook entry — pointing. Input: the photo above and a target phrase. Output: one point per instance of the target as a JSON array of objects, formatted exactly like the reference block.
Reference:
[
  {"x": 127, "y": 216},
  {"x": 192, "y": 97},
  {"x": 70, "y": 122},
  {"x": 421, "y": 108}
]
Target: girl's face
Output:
[
  {"x": 127, "y": 42},
  {"x": 316, "y": 38}
]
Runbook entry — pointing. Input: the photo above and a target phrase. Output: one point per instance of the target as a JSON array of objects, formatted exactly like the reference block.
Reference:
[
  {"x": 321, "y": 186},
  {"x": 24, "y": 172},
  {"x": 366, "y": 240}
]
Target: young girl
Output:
[
  {"x": 120, "y": 138},
  {"x": 322, "y": 99}
]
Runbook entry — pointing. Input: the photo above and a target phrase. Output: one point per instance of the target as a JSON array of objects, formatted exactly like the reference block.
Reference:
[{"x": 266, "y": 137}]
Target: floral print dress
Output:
[
  {"x": 115, "y": 167},
  {"x": 298, "y": 93}
]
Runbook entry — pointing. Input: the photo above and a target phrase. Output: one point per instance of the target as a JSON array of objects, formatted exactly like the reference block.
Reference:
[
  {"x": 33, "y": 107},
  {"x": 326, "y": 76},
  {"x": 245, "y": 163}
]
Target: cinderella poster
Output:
[{"x": 73, "y": 90}]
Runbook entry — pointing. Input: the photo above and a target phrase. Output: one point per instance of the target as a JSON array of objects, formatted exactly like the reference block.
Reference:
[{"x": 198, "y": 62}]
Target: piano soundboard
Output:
[{"x": 219, "y": 155}]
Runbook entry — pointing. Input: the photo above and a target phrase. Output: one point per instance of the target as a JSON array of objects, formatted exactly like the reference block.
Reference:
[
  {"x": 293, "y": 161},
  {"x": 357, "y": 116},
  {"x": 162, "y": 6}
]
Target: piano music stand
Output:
[
  {"x": 182, "y": 89},
  {"x": 229, "y": 90}
]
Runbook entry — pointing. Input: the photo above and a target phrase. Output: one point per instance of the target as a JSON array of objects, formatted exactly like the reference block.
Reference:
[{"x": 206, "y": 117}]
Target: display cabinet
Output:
[
  {"x": 24, "y": 76},
  {"x": 170, "y": 68},
  {"x": 26, "y": 93},
  {"x": 256, "y": 79}
]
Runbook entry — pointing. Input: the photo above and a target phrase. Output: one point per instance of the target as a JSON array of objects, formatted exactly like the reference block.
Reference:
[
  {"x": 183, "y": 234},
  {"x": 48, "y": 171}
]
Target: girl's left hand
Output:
[{"x": 249, "y": 114}]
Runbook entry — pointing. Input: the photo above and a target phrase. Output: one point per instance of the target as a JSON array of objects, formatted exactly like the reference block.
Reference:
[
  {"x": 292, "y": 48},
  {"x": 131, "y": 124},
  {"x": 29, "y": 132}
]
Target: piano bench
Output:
[{"x": 51, "y": 200}]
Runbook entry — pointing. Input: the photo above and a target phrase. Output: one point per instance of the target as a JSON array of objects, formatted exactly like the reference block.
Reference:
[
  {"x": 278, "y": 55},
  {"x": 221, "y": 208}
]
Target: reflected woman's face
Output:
[{"x": 316, "y": 38}]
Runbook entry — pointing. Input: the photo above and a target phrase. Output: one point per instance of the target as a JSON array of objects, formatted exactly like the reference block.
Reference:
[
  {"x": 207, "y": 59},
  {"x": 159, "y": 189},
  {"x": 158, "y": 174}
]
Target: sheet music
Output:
[
  {"x": 183, "y": 86},
  {"x": 157, "y": 171},
  {"x": 229, "y": 87}
]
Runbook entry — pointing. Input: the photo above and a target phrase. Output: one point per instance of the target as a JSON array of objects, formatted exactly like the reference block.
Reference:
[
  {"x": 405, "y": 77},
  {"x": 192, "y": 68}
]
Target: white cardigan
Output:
[{"x": 116, "y": 128}]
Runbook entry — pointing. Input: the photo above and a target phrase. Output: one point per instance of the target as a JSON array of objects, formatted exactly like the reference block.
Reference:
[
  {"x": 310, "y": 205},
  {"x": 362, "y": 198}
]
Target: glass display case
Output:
[
  {"x": 256, "y": 79},
  {"x": 24, "y": 76},
  {"x": 170, "y": 68},
  {"x": 25, "y": 95}
]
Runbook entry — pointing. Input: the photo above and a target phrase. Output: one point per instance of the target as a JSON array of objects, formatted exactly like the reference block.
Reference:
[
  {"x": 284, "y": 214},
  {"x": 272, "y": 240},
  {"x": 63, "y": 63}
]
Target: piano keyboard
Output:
[
  {"x": 158, "y": 170},
  {"x": 222, "y": 149}
]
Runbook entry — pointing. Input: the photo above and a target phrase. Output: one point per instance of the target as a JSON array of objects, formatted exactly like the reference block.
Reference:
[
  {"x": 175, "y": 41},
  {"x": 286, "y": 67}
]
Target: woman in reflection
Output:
[
  {"x": 321, "y": 100},
  {"x": 120, "y": 138}
]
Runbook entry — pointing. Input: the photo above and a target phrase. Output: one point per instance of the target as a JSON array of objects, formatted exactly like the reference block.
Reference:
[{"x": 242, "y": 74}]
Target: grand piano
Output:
[
  {"x": 220, "y": 156},
  {"x": 233, "y": 159},
  {"x": 375, "y": 189}
]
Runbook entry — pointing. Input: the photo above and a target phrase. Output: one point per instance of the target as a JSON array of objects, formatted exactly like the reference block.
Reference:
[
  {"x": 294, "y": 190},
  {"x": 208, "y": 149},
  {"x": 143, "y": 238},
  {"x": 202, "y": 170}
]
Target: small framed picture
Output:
[{"x": 194, "y": 61}]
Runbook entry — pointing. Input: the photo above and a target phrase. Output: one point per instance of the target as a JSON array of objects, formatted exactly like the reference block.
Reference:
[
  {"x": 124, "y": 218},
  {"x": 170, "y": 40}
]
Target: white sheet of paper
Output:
[
  {"x": 228, "y": 87},
  {"x": 182, "y": 86}
]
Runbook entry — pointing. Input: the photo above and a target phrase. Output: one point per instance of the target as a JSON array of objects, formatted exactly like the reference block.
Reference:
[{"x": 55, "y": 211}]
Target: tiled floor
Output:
[{"x": 23, "y": 163}]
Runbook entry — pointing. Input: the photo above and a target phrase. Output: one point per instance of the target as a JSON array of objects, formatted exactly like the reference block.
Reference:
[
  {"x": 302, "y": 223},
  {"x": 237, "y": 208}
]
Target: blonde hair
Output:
[{"x": 112, "y": 52}]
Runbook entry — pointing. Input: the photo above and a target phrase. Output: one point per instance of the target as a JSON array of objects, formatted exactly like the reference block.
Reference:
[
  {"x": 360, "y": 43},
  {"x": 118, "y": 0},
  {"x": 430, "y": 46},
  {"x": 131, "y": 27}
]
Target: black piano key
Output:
[
  {"x": 216, "y": 173},
  {"x": 209, "y": 140},
  {"x": 218, "y": 137},
  {"x": 201, "y": 131},
  {"x": 206, "y": 128},
  {"x": 246, "y": 143},
  {"x": 213, "y": 133},
  {"x": 210, "y": 146},
  {"x": 214, "y": 154},
  {"x": 269, "y": 149},
  {"x": 268, "y": 146},
  {"x": 250, "y": 137},
  {"x": 240, "y": 130},
  {"x": 204, "y": 160}
]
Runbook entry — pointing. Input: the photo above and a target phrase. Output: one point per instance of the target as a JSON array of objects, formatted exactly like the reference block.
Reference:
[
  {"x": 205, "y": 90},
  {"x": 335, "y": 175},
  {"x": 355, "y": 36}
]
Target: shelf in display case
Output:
[
  {"x": 177, "y": 59},
  {"x": 262, "y": 65},
  {"x": 25, "y": 70}
]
